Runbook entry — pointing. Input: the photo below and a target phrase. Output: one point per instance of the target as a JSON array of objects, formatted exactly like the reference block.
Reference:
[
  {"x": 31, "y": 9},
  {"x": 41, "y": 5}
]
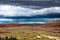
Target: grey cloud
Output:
[
  {"x": 32, "y": 2},
  {"x": 26, "y": 0},
  {"x": 35, "y": 4}
]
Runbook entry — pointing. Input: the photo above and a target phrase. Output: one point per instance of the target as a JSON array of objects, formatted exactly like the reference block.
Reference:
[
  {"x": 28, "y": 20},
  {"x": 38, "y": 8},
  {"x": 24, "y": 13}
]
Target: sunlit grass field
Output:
[{"x": 27, "y": 33}]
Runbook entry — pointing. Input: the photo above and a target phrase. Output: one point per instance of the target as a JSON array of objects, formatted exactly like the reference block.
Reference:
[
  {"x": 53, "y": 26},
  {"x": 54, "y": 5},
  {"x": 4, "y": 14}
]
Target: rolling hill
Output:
[{"x": 49, "y": 31}]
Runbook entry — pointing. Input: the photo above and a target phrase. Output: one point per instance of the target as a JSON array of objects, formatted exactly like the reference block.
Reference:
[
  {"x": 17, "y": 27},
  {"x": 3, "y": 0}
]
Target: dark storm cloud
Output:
[
  {"x": 32, "y": 2},
  {"x": 25, "y": 0},
  {"x": 21, "y": 12},
  {"x": 29, "y": 8}
]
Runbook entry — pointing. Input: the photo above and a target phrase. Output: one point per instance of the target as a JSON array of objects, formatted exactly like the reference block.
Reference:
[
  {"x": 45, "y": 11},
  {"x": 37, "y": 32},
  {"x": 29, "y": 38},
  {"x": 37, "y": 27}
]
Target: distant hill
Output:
[
  {"x": 48, "y": 26},
  {"x": 51, "y": 27},
  {"x": 53, "y": 24}
]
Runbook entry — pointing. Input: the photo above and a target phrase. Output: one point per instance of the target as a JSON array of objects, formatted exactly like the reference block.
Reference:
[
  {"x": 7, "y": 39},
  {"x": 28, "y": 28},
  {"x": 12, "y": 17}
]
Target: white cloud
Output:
[
  {"x": 6, "y": 19},
  {"x": 50, "y": 19},
  {"x": 47, "y": 10},
  {"x": 9, "y": 10},
  {"x": 32, "y": 22}
]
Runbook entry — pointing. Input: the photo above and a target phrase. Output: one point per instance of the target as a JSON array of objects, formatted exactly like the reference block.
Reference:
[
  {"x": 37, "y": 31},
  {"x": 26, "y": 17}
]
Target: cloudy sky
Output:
[{"x": 32, "y": 11}]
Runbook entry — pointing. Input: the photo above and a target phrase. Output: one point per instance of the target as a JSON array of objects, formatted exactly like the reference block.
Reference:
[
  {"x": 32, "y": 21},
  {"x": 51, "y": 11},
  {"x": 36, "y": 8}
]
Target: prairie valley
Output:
[{"x": 48, "y": 31}]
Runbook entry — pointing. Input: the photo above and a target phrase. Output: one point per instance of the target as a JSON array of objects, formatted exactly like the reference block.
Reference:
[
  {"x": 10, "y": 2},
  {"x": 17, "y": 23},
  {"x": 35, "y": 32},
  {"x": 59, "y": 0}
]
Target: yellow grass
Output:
[{"x": 24, "y": 33}]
